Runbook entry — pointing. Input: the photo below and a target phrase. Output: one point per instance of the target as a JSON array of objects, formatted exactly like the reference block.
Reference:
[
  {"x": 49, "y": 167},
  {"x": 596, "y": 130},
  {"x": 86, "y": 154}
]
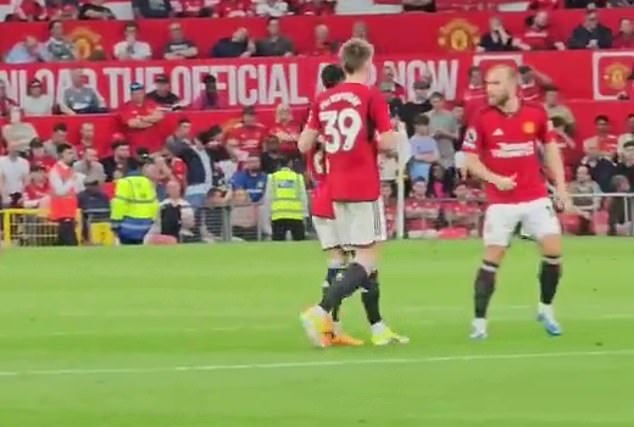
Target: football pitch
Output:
[{"x": 198, "y": 336}]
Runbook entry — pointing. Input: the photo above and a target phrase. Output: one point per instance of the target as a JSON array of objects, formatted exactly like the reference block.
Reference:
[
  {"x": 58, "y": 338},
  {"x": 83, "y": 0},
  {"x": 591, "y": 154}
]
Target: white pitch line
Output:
[{"x": 313, "y": 364}]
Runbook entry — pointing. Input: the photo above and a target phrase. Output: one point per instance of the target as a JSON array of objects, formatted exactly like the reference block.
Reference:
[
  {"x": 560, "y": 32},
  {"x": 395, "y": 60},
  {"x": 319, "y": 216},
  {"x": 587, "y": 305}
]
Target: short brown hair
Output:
[{"x": 354, "y": 54}]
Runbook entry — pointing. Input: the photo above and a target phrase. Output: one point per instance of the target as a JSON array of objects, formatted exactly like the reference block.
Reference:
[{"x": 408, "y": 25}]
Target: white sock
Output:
[
  {"x": 320, "y": 311},
  {"x": 378, "y": 328},
  {"x": 337, "y": 328},
  {"x": 480, "y": 323},
  {"x": 546, "y": 309}
]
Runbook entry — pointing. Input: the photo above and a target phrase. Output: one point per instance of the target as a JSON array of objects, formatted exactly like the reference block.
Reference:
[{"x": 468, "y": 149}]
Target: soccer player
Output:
[
  {"x": 323, "y": 216},
  {"x": 355, "y": 122},
  {"x": 501, "y": 146}
]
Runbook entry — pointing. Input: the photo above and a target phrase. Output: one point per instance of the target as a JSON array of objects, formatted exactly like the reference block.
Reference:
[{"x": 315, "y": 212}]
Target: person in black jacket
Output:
[{"x": 591, "y": 34}]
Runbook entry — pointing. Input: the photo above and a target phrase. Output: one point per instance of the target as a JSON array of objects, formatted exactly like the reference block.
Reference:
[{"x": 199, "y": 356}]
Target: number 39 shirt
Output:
[
  {"x": 349, "y": 116},
  {"x": 507, "y": 145}
]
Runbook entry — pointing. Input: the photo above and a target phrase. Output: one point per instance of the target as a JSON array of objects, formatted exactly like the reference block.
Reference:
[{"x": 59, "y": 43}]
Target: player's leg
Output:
[
  {"x": 542, "y": 222},
  {"x": 499, "y": 224}
]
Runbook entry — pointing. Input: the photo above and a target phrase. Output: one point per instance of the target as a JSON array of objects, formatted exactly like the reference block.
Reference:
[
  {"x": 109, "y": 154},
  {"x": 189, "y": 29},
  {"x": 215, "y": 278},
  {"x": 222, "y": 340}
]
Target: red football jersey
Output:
[
  {"x": 570, "y": 155},
  {"x": 509, "y": 145},
  {"x": 349, "y": 116},
  {"x": 321, "y": 199},
  {"x": 538, "y": 40},
  {"x": 234, "y": 8},
  {"x": 462, "y": 213},
  {"x": 531, "y": 92},
  {"x": 250, "y": 138},
  {"x": 474, "y": 98},
  {"x": 545, "y": 4},
  {"x": 288, "y": 134},
  {"x": 139, "y": 138}
]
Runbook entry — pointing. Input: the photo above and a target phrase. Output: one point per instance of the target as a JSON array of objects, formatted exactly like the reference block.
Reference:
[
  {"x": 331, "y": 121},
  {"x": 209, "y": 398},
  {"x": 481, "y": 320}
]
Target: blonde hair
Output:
[
  {"x": 355, "y": 53},
  {"x": 278, "y": 112}
]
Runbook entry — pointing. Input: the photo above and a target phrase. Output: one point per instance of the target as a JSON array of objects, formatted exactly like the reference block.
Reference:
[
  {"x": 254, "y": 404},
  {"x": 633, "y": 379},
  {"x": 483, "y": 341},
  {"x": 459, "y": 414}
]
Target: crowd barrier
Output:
[
  {"x": 611, "y": 215},
  {"x": 443, "y": 32},
  {"x": 266, "y": 82}
]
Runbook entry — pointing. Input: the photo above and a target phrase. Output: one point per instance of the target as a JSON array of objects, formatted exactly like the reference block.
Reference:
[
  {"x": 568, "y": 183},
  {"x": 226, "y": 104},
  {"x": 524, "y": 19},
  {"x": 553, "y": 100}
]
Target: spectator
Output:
[
  {"x": 554, "y": 108},
  {"x": 444, "y": 129},
  {"x": 606, "y": 142},
  {"x": 239, "y": 45},
  {"x": 591, "y": 34},
  {"x": 316, "y": 7},
  {"x": 251, "y": 179},
  {"x": 475, "y": 93},
  {"x": 458, "y": 112},
  {"x": 197, "y": 160},
  {"x": 209, "y": 98},
  {"x": 121, "y": 162},
  {"x": 287, "y": 130},
  {"x": 275, "y": 44},
  {"x": 59, "y": 48},
  {"x": 421, "y": 213},
  {"x": 602, "y": 169},
  {"x": 58, "y": 137},
  {"x": 211, "y": 217},
  {"x": 28, "y": 11},
  {"x": 497, "y": 39},
  {"x": 545, "y": 4},
  {"x": 87, "y": 139},
  {"x": 94, "y": 9},
  {"x": 62, "y": 10},
  {"x": 175, "y": 219},
  {"x": 159, "y": 9},
  {"x": 131, "y": 48},
  {"x": 80, "y": 98},
  {"x": 539, "y": 34},
  {"x": 36, "y": 102},
  {"x": 579, "y": 189},
  {"x": 248, "y": 135},
  {"x": 178, "y": 46},
  {"x": 419, "y": 5},
  {"x": 625, "y": 38},
  {"x": 18, "y": 132},
  {"x": 28, "y": 51},
  {"x": 394, "y": 103},
  {"x": 233, "y": 9},
  {"x": 440, "y": 182},
  {"x": 360, "y": 31},
  {"x": 388, "y": 82},
  {"x": 419, "y": 105},
  {"x": 323, "y": 44},
  {"x": 424, "y": 149},
  {"x": 36, "y": 193},
  {"x": 271, "y": 8},
  {"x": 626, "y": 165},
  {"x": 627, "y": 136},
  {"x": 584, "y": 4},
  {"x": 15, "y": 174},
  {"x": 65, "y": 185},
  {"x": 140, "y": 116},
  {"x": 162, "y": 96},
  {"x": 389, "y": 208},
  {"x": 244, "y": 217},
  {"x": 90, "y": 167},
  {"x": 193, "y": 9},
  {"x": 213, "y": 141},
  {"x": 619, "y": 208},
  {"x": 567, "y": 145},
  {"x": 272, "y": 158},
  {"x": 6, "y": 103},
  {"x": 38, "y": 156},
  {"x": 463, "y": 212},
  {"x": 532, "y": 83}
]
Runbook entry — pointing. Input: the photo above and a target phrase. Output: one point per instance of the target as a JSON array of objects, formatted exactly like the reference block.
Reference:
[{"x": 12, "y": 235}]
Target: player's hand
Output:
[
  {"x": 564, "y": 203},
  {"x": 505, "y": 183}
]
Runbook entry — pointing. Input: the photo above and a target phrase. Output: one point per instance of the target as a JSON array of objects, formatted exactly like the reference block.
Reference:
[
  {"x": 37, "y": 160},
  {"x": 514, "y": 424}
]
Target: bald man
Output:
[{"x": 502, "y": 147}]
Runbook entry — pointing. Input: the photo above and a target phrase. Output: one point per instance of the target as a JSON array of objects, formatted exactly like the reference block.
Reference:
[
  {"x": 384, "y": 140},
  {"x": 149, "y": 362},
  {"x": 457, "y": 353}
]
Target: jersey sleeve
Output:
[
  {"x": 473, "y": 139},
  {"x": 313, "y": 117},
  {"x": 543, "y": 128},
  {"x": 379, "y": 112}
]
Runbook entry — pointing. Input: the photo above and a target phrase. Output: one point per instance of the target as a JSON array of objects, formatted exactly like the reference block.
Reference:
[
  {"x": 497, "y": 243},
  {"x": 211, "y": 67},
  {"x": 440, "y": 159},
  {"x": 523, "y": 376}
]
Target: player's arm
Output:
[
  {"x": 387, "y": 137},
  {"x": 308, "y": 137}
]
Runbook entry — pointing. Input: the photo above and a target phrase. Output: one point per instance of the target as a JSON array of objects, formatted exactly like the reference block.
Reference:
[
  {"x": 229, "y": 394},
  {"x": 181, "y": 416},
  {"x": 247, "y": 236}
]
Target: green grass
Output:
[{"x": 93, "y": 337}]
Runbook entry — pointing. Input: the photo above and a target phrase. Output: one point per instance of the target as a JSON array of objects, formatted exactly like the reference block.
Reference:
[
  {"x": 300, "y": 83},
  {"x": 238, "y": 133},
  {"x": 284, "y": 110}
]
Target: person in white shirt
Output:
[
  {"x": 271, "y": 8},
  {"x": 175, "y": 218},
  {"x": 19, "y": 133},
  {"x": 627, "y": 136},
  {"x": 36, "y": 102},
  {"x": 131, "y": 47},
  {"x": 15, "y": 174}
]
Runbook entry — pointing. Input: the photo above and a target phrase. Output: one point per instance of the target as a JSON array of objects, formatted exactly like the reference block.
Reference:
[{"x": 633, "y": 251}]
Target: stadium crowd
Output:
[{"x": 218, "y": 175}]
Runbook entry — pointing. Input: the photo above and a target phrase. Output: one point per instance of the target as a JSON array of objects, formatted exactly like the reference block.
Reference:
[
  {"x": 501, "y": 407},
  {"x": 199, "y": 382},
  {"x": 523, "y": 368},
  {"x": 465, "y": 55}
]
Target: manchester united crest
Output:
[
  {"x": 459, "y": 35},
  {"x": 615, "y": 75},
  {"x": 87, "y": 42},
  {"x": 528, "y": 127}
]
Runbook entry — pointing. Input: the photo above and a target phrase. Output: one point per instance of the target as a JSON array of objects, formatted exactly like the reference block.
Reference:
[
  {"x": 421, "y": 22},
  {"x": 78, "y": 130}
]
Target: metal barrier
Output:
[{"x": 31, "y": 227}]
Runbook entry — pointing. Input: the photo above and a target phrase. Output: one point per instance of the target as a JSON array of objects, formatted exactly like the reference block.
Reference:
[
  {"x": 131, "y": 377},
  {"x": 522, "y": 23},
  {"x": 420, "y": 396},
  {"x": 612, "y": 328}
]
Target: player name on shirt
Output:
[{"x": 349, "y": 97}]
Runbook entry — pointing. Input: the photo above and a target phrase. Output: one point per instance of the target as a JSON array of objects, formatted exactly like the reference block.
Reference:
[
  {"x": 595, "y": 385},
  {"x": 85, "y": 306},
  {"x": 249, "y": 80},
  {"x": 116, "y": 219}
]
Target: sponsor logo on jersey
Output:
[{"x": 507, "y": 150}]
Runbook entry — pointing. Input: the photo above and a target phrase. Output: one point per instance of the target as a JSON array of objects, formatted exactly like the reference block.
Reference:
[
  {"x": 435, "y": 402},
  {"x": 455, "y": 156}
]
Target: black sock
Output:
[
  {"x": 549, "y": 275},
  {"x": 331, "y": 276},
  {"x": 370, "y": 298},
  {"x": 344, "y": 286},
  {"x": 484, "y": 287}
]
